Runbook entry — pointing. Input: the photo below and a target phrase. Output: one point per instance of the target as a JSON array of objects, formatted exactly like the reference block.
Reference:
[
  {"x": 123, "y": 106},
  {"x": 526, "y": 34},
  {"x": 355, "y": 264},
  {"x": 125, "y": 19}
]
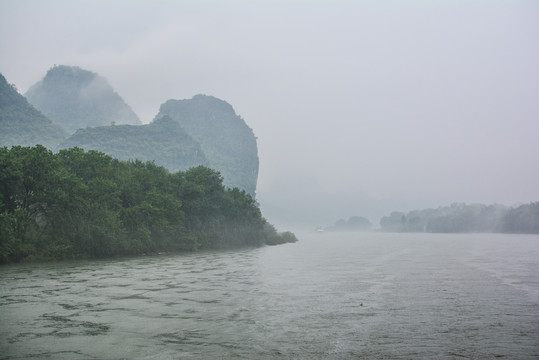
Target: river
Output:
[{"x": 329, "y": 296}]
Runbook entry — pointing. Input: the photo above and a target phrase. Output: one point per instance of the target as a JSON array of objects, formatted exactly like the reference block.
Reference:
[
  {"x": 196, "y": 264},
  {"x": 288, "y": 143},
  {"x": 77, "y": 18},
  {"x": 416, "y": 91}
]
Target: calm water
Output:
[{"x": 330, "y": 296}]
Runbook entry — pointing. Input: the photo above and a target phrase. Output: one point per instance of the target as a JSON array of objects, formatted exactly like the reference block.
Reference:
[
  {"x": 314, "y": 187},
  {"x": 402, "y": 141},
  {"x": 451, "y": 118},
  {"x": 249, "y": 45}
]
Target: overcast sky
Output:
[{"x": 360, "y": 107}]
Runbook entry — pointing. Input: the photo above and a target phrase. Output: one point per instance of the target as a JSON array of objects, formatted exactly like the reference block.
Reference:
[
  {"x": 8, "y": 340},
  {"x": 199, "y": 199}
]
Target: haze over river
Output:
[{"x": 329, "y": 296}]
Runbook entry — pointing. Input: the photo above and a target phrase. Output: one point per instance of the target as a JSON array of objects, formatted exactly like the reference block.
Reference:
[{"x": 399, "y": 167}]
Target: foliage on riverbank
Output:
[{"x": 77, "y": 204}]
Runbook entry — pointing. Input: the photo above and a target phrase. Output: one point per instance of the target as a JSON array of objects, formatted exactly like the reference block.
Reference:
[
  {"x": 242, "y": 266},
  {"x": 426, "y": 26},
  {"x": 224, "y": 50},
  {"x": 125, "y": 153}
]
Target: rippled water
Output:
[{"x": 329, "y": 296}]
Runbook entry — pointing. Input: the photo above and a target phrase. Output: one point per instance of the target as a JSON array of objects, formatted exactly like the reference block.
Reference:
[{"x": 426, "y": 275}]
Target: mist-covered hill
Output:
[
  {"x": 354, "y": 223},
  {"x": 23, "y": 124},
  {"x": 75, "y": 98},
  {"x": 461, "y": 218},
  {"x": 203, "y": 130},
  {"x": 226, "y": 140},
  {"x": 162, "y": 141}
]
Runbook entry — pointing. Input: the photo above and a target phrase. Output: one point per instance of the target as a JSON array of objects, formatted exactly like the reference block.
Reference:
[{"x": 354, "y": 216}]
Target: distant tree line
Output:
[
  {"x": 78, "y": 204},
  {"x": 354, "y": 223},
  {"x": 460, "y": 218}
]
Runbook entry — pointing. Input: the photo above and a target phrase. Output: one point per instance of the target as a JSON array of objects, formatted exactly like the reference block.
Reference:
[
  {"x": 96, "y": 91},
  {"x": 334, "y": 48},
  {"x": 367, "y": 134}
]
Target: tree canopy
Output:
[{"x": 85, "y": 204}]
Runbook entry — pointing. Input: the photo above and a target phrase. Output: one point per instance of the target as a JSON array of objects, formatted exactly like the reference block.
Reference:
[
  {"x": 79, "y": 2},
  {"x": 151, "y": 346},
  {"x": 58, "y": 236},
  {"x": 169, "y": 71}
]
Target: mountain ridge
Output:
[
  {"x": 208, "y": 131},
  {"x": 175, "y": 150},
  {"x": 22, "y": 124}
]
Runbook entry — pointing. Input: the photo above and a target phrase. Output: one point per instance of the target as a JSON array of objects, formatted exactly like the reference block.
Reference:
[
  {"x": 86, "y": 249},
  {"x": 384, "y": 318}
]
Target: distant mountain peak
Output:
[
  {"x": 76, "y": 98},
  {"x": 75, "y": 73},
  {"x": 228, "y": 142},
  {"x": 203, "y": 130}
]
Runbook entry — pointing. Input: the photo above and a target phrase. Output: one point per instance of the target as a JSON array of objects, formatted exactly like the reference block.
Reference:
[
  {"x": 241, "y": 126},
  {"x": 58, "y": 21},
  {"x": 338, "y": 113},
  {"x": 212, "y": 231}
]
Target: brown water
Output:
[{"x": 329, "y": 296}]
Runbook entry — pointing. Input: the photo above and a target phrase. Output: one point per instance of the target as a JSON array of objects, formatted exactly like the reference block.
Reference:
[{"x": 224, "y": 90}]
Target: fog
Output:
[{"x": 360, "y": 107}]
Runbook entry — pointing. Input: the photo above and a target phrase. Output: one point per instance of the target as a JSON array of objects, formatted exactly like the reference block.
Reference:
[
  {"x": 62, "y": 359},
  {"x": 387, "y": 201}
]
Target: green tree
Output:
[{"x": 78, "y": 204}]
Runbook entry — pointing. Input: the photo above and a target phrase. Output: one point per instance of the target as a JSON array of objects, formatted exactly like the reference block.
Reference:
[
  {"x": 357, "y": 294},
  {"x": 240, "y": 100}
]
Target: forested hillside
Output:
[
  {"x": 225, "y": 138},
  {"x": 83, "y": 104},
  {"x": 77, "y": 204},
  {"x": 75, "y": 98},
  {"x": 162, "y": 141},
  {"x": 22, "y": 124},
  {"x": 459, "y": 218}
]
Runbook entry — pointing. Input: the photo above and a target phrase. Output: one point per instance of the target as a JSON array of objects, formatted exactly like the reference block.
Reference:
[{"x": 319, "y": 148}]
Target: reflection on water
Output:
[{"x": 338, "y": 296}]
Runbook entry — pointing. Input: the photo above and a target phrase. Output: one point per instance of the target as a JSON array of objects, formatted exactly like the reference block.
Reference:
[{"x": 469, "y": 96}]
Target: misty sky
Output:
[{"x": 360, "y": 107}]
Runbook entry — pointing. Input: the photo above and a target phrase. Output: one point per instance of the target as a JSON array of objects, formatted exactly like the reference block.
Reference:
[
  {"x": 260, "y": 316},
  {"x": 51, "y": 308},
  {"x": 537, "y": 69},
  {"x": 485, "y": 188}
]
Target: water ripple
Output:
[{"x": 351, "y": 296}]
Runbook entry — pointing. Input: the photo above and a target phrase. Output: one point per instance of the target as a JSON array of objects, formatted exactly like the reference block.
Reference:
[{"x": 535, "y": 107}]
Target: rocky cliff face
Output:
[
  {"x": 75, "y": 98},
  {"x": 229, "y": 144}
]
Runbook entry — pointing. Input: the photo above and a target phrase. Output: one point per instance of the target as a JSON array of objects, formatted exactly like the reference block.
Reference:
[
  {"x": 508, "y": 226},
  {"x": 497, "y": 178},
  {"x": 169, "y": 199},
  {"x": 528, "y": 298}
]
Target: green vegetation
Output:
[
  {"x": 162, "y": 141},
  {"x": 75, "y": 98},
  {"x": 201, "y": 131},
  {"x": 460, "y": 218},
  {"x": 78, "y": 204},
  {"x": 82, "y": 103},
  {"x": 22, "y": 124},
  {"x": 226, "y": 140}
]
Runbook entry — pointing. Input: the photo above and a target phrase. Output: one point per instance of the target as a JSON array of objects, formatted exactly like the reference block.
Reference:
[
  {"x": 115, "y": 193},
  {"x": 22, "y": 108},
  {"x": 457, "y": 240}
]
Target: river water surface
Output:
[{"x": 329, "y": 296}]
